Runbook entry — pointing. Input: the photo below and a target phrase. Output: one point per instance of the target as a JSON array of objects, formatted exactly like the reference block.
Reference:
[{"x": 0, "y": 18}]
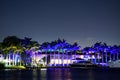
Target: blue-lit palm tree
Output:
[
  {"x": 103, "y": 50},
  {"x": 116, "y": 50},
  {"x": 59, "y": 47},
  {"x": 45, "y": 48},
  {"x": 74, "y": 48},
  {"x": 91, "y": 52},
  {"x": 98, "y": 49},
  {"x": 106, "y": 51},
  {"x": 30, "y": 49},
  {"x": 113, "y": 52},
  {"x": 68, "y": 51},
  {"x": 62, "y": 47},
  {"x": 86, "y": 52}
]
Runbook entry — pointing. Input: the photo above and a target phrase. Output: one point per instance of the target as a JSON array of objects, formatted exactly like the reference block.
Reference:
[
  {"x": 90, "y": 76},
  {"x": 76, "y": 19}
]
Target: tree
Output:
[
  {"x": 30, "y": 49},
  {"x": 10, "y": 44}
]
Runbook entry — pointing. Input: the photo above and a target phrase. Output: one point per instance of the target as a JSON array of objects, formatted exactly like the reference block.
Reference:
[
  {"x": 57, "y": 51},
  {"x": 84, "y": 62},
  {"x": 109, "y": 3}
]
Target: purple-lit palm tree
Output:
[
  {"x": 91, "y": 51},
  {"x": 74, "y": 48},
  {"x": 116, "y": 50},
  {"x": 45, "y": 47},
  {"x": 59, "y": 48},
  {"x": 62, "y": 47},
  {"x": 103, "y": 51},
  {"x": 86, "y": 51},
  {"x": 106, "y": 51},
  {"x": 30, "y": 49},
  {"x": 98, "y": 49}
]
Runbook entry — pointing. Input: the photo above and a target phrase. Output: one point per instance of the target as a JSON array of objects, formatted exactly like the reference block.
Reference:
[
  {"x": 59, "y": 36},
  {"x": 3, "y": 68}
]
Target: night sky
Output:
[{"x": 84, "y": 21}]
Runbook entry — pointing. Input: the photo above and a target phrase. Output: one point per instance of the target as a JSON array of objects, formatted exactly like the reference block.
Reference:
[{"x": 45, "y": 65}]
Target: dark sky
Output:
[{"x": 84, "y": 21}]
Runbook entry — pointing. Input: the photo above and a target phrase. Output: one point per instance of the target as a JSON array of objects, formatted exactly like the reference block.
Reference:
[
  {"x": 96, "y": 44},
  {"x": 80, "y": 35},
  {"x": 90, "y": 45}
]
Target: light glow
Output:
[{"x": 60, "y": 61}]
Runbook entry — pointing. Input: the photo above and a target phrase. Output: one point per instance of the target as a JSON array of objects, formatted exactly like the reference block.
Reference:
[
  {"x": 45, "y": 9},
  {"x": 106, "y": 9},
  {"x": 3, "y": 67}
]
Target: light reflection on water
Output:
[
  {"x": 52, "y": 74},
  {"x": 59, "y": 74}
]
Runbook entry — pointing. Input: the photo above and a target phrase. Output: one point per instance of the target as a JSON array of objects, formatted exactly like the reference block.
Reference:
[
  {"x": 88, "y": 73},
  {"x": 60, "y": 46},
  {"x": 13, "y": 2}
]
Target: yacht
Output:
[
  {"x": 83, "y": 63},
  {"x": 114, "y": 64}
]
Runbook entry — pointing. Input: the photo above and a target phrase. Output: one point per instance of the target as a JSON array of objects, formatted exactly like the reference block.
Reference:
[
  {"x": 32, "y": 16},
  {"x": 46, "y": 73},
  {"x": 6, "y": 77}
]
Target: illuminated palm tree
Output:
[
  {"x": 85, "y": 52},
  {"x": 97, "y": 48},
  {"x": 6, "y": 55},
  {"x": 53, "y": 51},
  {"x": 10, "y": 43},
  {"x": 60, "y": 44},
  {"x": 1, "y": 49},
  {"x": 106, "y": 51},
  {"x": 26, "y": 44},
  {"x": 74, "y": 49},
  {"x": 116, "y": 51},
  {"x": 44, "y": 47},
  {"x": 30, "y": 50}
]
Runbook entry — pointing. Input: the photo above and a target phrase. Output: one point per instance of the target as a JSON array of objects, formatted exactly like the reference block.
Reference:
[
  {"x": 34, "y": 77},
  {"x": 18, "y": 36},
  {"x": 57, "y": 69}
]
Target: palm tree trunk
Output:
[
  {"x": 9, "y": 59},
  {"x": 34, "y": 57},
  {"x": 98, "y": 57},
  {"x": 75, "y": 56},
  {"x": 67, "y": 58},
  {"x": 114, "y": 56},
  {"x": 95, "y": 57},
  {"x": 110, "y": 57},
  {"x": 117, "y": 56},
  {"x": 71, "y": 58},
  {"x": 102, "y": 57},
  {"x": 54, "y": 59},
  {"x": 20, "y": 60},
  {"x": 58, "y": 58},
  {"x": 50, "y": 58},
  {"x": 63, "y": 58},
  {"x": 46, "y": 58},
  {"x": 13, "y": 60},
  {"x": 106, "y": 57}
]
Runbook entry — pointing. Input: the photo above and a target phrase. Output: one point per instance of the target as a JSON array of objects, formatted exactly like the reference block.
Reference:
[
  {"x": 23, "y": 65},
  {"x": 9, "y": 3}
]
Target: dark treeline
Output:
[
  {"x": 13, "y": 43},
  {"x": 27, "y": 43},
  {"x": 25, "y": 47}
]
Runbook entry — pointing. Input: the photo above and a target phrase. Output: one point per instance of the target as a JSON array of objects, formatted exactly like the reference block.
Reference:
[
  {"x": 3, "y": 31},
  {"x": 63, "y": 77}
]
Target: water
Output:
[{"x": 61, "y": 74}]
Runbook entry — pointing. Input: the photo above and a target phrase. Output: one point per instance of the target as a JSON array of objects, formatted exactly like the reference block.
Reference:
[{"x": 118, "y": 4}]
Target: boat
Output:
[
  {"x": 83, "y": 64},
  {"x": 114, "y": 64}
]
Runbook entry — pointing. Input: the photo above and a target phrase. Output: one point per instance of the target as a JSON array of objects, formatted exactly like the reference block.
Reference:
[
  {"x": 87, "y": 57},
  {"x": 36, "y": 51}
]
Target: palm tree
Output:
[
  {"x": 74, "y": 48},
  {"x": 16, "y": 52},
  {"x": 97, "y": 48},
  {"x": 106, "y": 51},
  {"x": 116, "y": 50},
  {"x": 52, "y": 48},
  {"x": 5, "y": 53},
  {"x": 1, "y": 49},
  {"x": 85, "y": 51},
  {"x": 10, "y": 43},
  {"x": 30, "y": 50},
  {"x": 44, "y": 47},
  {"x": 1, "y": 46}
]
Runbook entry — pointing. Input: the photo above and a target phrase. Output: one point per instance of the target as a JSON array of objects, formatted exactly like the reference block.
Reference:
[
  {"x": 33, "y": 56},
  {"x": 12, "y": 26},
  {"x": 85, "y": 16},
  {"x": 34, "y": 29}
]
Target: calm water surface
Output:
[{"x": 61, "y": 74}]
